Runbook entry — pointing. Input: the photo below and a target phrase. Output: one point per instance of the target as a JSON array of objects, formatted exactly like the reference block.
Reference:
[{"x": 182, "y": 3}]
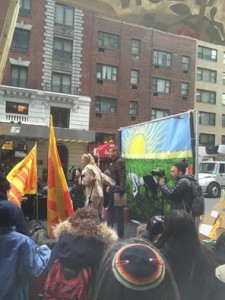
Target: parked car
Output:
[{"x": 212, "y": 177}]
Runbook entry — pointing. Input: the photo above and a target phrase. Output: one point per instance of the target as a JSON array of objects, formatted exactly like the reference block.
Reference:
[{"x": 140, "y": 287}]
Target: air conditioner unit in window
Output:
[
  {"x": 155, "y": 94},
  {"x": 98, "y": 115},
  {"x": 185, "y": 98},
  {"x": 101, "y": 49},
  {"x": 156, "y": 66},
  {"x": 185, "y": 71},
  {"x": 133, "y": 118},
  {"x": 134, "y": 87},
  {"x": 100, "y": 81}
]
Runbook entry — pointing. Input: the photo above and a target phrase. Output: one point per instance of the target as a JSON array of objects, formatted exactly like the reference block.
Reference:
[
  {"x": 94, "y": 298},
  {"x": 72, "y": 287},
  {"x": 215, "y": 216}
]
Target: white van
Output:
[{"x": 211, "y": 177}]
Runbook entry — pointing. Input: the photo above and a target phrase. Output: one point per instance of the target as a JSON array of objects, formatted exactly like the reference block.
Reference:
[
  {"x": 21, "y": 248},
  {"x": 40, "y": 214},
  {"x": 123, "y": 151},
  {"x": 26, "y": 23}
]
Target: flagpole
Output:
[{"x": 37, "y": 212}]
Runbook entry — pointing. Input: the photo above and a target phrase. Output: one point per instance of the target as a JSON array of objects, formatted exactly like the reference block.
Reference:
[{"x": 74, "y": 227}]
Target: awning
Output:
[
  {"x": 42, "y": 132},
  {"x": 104, "y": 150}
]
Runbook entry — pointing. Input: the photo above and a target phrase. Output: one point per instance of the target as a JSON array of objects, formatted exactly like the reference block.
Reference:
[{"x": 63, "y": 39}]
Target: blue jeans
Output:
[{"x": 115, "y": 213}]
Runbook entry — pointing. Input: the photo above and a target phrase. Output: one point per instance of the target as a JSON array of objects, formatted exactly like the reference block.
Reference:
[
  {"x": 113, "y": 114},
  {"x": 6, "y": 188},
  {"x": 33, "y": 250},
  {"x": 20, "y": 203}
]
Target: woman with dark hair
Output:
[
  {"x": 191, "y": 263},
  {"x": 181, "y": 195},
  {"x": 133, "y": 269}
]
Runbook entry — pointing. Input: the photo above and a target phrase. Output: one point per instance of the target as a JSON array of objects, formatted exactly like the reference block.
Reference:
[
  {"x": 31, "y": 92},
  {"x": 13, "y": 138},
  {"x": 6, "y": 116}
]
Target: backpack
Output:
[
  {"x": 64, "y": 283},
  {"x": 198, "y": 203}
]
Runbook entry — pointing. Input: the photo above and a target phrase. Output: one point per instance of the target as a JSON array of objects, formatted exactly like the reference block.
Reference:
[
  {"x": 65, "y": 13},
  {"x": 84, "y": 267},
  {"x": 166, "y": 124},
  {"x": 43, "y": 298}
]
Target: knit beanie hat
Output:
[
  {"x": 138, "y": 267},
  {"x": 8, "y": 213},
  {"x": 182, "y": 165}
]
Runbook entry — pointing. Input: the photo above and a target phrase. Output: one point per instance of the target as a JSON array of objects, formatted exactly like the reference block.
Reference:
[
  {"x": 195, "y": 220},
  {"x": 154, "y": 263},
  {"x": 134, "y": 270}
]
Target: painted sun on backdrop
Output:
[{"x": 144, "y": 139}]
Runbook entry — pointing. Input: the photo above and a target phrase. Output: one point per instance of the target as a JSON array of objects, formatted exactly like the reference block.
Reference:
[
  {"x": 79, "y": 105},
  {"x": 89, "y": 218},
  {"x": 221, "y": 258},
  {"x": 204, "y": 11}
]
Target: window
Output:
[
  {"x": 21, "y": 39},
  {"x": 206, "y": 75},
  {"x": 135, "y": 47},
  {"x": 61, "y": 116},
  {"x": 133, "y": 108},
  {"x": 207, "y": 139},
  {"x": 223, "y": 78},
  {"x": 206, "y": 118},
  {"x": 62, "y": 48},
  {"x": 105, "y": 105},
  {"x": 134, "y": 77},
  {"x": 206, "y": 96},
  {"x": 207, "y": 53},
  {"x": 64, "y": 15},
  {"x": 25, "y": 7},
  {"x": 108, "y": 40},
  {"x": 224, "y": 58},
  {"x": 161, "y": 85},
  {"x": 223, "y": 120},
  {"x": 185, "y": 62},
  {"x": 19, "y": 76},
  {"x": 16, "y": 108},
  {"x": 125, "y": 3},
  {"x": 223, "y": 99},
  {"x": 162, "y": 58},
  {"x": 61, "y": 83},
  {"x": 184, "y": 88},
  {"x": 107, "y": 72},
  {"x": 159, "y": 113},
  {"x": 223, "y": 140}
]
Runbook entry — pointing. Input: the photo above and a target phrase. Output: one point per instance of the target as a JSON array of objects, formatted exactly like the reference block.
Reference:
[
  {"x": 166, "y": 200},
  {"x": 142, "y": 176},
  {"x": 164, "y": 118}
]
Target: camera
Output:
[{"x": 158, "y": 172}]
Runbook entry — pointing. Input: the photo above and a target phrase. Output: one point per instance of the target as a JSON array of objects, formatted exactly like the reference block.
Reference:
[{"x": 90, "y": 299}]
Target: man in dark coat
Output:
[
  {"x": 181, "y": 195},
  {"x": 118, "y": 173}
]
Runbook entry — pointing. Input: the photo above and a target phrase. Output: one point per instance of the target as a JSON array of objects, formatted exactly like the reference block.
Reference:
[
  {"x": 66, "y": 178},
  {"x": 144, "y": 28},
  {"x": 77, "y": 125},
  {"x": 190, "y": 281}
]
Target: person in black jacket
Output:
[
  {"x": 181, "y": 194},
  {"x": 21, "y": 225},
  {"x": 118, "y": 173}
]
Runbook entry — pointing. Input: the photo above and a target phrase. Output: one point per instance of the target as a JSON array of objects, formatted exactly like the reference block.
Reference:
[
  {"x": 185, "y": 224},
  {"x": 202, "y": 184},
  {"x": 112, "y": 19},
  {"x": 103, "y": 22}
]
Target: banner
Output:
[
  {"x": 59, "y": 204},
  {"x": 150, "y": 149},
  {"x": 23, "y": 177}
]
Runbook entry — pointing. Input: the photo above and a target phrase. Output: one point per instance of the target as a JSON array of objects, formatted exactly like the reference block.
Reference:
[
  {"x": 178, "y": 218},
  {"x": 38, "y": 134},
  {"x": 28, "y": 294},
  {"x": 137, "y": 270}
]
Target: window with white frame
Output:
[
  {"x": 206, "y": 96},
  {"x": 62, "y": 48},
  {"x": 206, "y": 139},
  {"x": 25, "y": 7},
  {"x": 162, "y": 58},
  {"x": 207, "y": 53},
  {"x": 61, "y": 116},
  {"x": 107, "y": 72},
  {"x": 206, "y": 75},
  {"x": 105, "y": 104},
  {"x": 185, "y": 62},
  {"x": 133, "y": 108},
  {"x": 184, "y": 88},
  {"x": 19, "y": 76},
  {"x": 223, "y": 99},
  {"x": 161, "y": 85},
  {"x": 134, "y": 77},
  {"x": 135, "y": 47},
  {"x": 16, "y": 108},
  {"x": 61, "y": 83},
  {"x": 64, "y": 15},
  {"x": 206, "y": 118},
  {"x": 108, "y": 40},
  {"x": 21, "y": 39},
  {"x": 157, "y": 113}
]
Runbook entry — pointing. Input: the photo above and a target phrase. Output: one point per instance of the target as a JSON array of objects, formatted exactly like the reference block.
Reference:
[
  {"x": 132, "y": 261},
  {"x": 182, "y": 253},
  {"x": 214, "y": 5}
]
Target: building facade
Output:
[{"x": 96, "y": 75}]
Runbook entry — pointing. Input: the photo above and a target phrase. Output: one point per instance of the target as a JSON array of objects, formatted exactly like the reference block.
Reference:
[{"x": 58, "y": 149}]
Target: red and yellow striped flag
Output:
[
  {"x": 23, "y": 177},
  {"x": 59, "y": 203}
]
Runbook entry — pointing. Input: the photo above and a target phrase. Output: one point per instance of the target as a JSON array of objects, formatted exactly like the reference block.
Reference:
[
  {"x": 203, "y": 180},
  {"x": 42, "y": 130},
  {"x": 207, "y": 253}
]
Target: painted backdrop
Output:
[{"x": 149, "y": 150}]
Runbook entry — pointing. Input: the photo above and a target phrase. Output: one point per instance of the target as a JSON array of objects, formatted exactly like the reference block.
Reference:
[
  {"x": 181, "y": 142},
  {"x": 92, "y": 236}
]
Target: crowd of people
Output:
[{"x": 90, "y": 260}]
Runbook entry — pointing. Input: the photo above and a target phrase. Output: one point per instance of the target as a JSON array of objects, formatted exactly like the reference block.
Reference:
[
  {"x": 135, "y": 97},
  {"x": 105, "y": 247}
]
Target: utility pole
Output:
[{"x": 7, "y": 33}]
